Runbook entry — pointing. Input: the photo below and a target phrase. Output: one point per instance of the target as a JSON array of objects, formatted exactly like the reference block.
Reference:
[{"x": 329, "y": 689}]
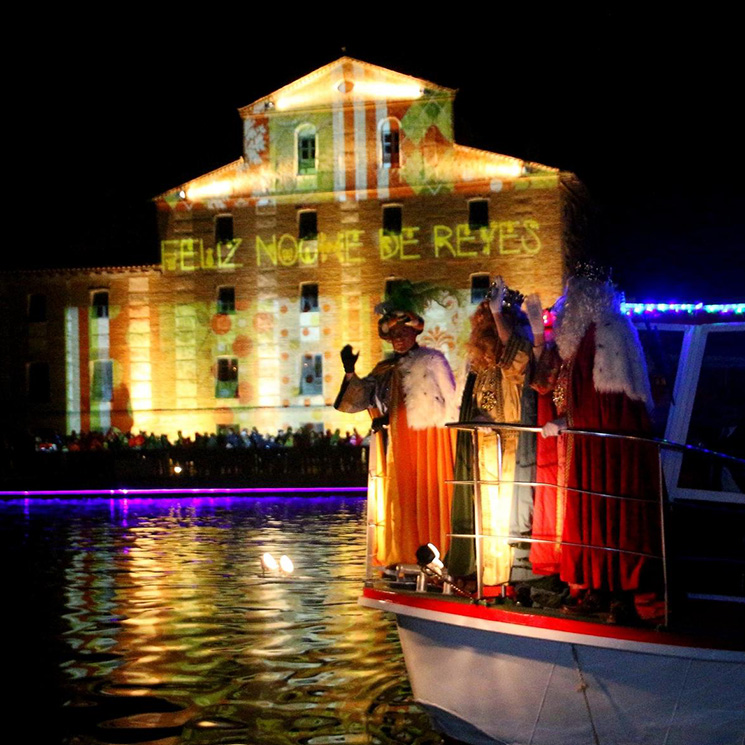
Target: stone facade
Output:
[{"x": 350, "y": 178}]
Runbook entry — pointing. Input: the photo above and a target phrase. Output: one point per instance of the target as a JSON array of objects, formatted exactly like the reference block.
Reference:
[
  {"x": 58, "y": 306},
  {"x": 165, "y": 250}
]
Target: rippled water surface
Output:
[{"x": 149, "y": 621}]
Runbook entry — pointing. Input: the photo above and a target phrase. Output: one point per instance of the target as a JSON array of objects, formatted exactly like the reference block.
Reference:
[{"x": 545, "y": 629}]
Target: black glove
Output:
[
  {"x": 348, "y": 358},
  {"x": 379, "y": 422}
]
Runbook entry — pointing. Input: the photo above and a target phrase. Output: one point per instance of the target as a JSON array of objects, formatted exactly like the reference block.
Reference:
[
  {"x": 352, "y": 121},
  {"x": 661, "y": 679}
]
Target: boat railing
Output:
[
  {"x": 500, "y": 428},
  {"x": 477, "y": 427}
]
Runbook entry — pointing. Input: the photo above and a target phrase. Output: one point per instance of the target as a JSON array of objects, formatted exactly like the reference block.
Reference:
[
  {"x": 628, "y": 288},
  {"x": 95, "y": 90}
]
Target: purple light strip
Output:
[{"x": 198, "y": 491}]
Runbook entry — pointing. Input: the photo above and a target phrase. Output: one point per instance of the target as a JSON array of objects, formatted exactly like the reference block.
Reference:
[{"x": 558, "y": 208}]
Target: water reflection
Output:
[{"x": 149, "y": 621}]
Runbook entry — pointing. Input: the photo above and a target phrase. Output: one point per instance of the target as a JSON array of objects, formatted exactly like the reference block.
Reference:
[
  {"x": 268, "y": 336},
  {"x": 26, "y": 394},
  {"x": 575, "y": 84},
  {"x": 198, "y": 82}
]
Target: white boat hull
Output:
[{"x": 490, "y": 681}]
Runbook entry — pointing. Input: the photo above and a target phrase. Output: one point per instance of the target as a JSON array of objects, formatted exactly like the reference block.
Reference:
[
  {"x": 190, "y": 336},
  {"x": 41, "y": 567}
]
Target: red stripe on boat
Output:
[{"x": 551, "y": 623}]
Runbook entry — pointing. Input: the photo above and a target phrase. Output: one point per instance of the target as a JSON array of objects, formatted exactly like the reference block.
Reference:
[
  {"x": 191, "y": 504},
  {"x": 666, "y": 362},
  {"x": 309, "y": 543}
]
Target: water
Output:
[{"x": 149, "y": 621}]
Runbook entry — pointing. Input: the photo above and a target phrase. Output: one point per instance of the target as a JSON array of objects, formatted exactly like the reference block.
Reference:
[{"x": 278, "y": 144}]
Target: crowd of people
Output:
[
  {"x": 114, "y": 439},
  {"x": 303, "y": 456}
]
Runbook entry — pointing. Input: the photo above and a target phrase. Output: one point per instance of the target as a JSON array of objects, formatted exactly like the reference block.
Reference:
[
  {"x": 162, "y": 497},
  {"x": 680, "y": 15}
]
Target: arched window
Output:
[
  {"x": 306, "y": 149},
  {"x": 390, "y": 156}
]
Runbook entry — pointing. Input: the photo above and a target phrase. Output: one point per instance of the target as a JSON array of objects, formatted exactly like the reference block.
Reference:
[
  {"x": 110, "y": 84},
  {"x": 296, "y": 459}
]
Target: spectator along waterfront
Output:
[{"x": 230, "y": 458}]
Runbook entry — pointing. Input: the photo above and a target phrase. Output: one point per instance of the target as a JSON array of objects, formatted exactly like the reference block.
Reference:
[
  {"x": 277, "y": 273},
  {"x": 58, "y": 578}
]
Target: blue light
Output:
[{"x": 699, "y": 309}]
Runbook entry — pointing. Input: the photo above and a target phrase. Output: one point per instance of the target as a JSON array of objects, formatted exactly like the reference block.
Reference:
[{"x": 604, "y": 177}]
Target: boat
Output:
[{"x": 491, "y": 670}]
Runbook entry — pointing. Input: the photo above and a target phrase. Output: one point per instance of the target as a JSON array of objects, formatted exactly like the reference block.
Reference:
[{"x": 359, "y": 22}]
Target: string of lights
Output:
[{"x": 690, "y": 309}]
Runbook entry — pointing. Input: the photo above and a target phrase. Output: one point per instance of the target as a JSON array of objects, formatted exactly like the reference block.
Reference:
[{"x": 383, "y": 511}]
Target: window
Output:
[
  {"x": 308, "y": 298},
  {"x": 389, "y": 144},
  {"x": 392, "y": 219},
  {"x": 478, "y": 213},
  {"x": 718, "y": 416},
  {"x": 223, "y": 229},
  {"x": 662, "y": 347},
  {"x": 37, "y": 308},
  {"x": 37, "y": 381},
  {"x": 479, "y": 287},
  {"x": 307, "y": 225},
  {"x": 226, "y": 385},
  {"x": 306, "y": 150},
  {"x": 100, "y": 304},
  {"x": 226, "y": 300},
  {"x": 102, "y": 381},
  {"x": 311, "y": 375}
]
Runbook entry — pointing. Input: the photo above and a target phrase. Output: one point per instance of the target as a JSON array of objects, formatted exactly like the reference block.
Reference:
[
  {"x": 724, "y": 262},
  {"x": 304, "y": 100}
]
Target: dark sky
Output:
[{"x": 642, "y": 106}]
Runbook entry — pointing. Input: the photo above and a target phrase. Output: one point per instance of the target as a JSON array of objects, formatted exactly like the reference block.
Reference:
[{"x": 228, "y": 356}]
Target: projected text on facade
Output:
[{"x": 349, "y": 247}]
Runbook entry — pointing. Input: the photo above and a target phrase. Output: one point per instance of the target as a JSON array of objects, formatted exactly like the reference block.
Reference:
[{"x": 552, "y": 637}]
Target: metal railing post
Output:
[
  {"x": 663, "y": 547},
  {"x": 477, "y": 524}
]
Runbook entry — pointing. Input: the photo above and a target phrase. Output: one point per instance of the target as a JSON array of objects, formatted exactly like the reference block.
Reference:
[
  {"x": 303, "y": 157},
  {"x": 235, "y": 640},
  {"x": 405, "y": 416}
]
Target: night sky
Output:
[{"x": 643, "y": 107}]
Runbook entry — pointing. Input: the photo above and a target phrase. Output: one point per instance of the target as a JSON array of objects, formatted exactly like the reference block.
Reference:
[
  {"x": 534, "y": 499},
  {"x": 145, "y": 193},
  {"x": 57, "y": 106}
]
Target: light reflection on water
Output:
[{"x": 150, "y": 621}]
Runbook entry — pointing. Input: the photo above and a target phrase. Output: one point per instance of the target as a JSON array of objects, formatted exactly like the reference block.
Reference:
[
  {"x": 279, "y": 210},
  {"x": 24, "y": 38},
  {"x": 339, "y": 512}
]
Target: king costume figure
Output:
[
  {"x": 601, "y": 384},
  {"x": 410, "y": 397},
  {"x": 499, "y": 353}
]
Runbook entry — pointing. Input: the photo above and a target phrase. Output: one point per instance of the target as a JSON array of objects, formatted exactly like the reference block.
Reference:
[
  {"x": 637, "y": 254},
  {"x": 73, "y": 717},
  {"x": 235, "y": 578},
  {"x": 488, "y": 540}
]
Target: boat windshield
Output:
[{"x": 697, "y": 376}]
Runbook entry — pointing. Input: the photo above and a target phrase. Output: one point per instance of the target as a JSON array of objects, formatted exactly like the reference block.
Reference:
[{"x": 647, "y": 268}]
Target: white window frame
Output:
[
  {"x": 389, "y": 125},
  {"x": 302, "y": 132},
  {"x": 681, "y": 408}
]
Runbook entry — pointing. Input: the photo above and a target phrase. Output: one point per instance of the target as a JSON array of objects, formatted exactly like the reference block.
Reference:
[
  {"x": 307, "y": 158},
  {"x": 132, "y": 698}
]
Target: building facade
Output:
[{"x": 350, "y": 179}]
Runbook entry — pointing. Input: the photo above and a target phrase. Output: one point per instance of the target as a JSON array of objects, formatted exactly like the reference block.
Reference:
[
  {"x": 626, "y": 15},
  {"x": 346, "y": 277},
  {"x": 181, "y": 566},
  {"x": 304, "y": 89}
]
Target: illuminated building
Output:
[{"x": 350, "y": 178}]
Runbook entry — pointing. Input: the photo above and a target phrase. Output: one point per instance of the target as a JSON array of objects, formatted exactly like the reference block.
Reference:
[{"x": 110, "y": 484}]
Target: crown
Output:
[
  {"x": 512, "y": 299},
  {"x": 593, "y": 271}
]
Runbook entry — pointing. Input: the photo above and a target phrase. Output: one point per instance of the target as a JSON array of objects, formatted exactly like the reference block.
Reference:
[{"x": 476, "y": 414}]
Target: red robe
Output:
[
  {"x": 548, "y": 509},
  {"x": 609, "y": 466}
]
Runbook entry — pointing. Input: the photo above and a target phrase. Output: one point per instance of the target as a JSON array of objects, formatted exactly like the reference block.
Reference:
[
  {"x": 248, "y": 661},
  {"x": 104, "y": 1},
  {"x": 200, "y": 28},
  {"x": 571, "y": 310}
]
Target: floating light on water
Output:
[
  {"x": 285, "y": 564},
  {"x": 268, "y": 563}
]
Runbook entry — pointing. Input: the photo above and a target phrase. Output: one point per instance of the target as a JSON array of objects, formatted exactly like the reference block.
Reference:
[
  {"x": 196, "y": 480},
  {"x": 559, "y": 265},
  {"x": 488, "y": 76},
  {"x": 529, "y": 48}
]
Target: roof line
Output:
[
  {"x": 318, "y": 72},
  {"x": 233, "y": 164},
  {"x": 120, "y": 269}
]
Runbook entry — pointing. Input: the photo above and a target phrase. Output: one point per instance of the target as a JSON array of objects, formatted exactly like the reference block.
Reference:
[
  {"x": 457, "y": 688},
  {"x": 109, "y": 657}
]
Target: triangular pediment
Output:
[{"x": 344, "y": 82}]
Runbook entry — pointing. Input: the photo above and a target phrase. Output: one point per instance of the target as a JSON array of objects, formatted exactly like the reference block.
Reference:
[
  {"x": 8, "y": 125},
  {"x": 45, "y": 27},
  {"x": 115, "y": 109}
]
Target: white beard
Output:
[
  {"x": 584, "y": 302},
  {"x": 619, "y": 365}
]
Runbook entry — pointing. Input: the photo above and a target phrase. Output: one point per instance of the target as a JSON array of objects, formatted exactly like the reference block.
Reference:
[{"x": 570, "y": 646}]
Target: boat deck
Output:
[{"x": 707, "y": 624}]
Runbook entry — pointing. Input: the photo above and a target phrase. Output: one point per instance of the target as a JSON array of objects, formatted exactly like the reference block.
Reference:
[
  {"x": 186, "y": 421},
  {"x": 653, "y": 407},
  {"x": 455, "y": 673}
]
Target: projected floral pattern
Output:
[{"x": 254, "y": 141}]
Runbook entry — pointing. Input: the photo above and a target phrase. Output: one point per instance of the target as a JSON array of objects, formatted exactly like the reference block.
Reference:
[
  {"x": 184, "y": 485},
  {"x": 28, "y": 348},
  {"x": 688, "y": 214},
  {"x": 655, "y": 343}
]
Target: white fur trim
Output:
[
  {"x": 619, "y": 360},
  {"x": 429, "y": 388}
]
